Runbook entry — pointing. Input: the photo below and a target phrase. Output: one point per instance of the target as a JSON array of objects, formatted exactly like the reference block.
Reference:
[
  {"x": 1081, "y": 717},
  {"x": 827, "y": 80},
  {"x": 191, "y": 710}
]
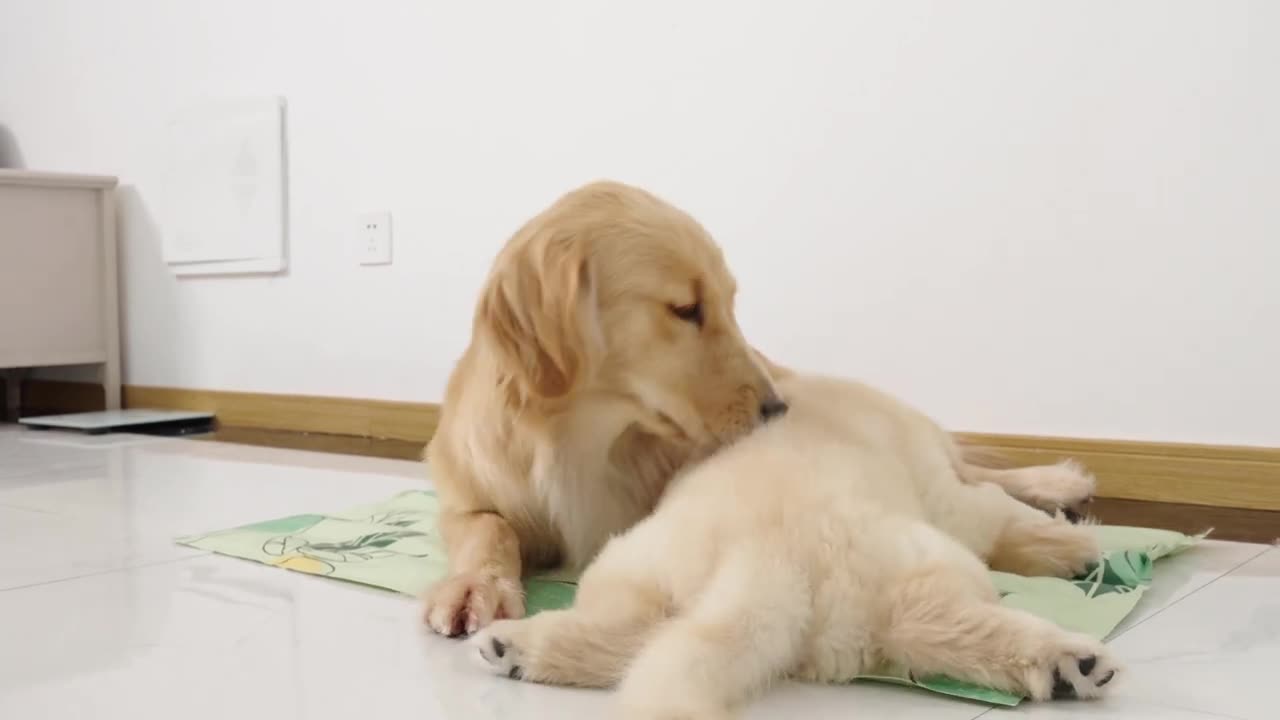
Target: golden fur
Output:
[
  {"x": 604, "y": 357},
  {"x": 830, "y": 541}
]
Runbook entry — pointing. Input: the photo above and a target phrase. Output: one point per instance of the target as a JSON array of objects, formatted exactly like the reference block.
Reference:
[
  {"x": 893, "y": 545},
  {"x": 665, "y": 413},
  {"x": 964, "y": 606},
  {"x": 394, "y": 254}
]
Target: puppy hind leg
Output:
[
  {"x": 1045, "y": 547},
  {"x": 935, "y": 625},
  {"x": 1065, "y": 487},
  {"x": 1013, "y": 537},
  {"x": 743, "y": 631}
]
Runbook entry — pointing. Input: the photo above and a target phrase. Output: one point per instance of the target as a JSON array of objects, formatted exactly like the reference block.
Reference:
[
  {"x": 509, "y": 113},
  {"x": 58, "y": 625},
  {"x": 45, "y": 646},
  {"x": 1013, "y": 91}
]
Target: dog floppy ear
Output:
[{"x": 538, "y": 312}]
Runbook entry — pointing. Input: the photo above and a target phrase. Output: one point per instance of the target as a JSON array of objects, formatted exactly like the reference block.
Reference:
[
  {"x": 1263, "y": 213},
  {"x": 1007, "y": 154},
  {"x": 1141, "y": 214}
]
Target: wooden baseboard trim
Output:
[
  {"x": 1213, "y": 475},
  {"x": 414, "y": 422},
  {"x": 1239, "y": 524},
  {"x": 1189, "y": 474},
  {"x": 298, "y": 413}
]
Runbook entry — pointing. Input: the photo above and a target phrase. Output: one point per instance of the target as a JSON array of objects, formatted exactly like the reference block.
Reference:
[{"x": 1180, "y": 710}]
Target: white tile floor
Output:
[{"x": 102, "y": 616}]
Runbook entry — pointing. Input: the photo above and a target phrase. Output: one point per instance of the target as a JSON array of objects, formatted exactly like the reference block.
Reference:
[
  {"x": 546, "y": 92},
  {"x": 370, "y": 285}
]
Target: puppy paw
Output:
[
  {"x": 499, "y": 650},
  {"x": 1064, "y": 490},
  {"x": 1047, "y": 548},
  {"x": 1080, "y": 668}
]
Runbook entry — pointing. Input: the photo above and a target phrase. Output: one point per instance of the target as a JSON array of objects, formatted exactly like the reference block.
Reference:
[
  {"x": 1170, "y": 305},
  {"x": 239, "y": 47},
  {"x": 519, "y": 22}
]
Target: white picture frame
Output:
[{"x": 225, "y": 207}]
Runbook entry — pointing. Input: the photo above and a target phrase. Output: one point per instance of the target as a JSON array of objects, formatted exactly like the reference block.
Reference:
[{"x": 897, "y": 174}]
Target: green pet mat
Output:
[{"x": 396, "y": 545}]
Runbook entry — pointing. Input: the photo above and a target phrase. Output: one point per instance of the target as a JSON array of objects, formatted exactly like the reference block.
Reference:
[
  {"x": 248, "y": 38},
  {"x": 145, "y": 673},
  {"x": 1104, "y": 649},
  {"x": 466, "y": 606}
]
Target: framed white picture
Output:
[{"x": 225, "y": 188}]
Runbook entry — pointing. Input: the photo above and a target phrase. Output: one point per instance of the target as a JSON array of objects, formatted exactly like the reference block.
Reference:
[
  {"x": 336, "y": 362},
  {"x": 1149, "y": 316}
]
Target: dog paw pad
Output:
[
  {"x": 499, "y": 655},
  {"x": 1077, "y": 678}
]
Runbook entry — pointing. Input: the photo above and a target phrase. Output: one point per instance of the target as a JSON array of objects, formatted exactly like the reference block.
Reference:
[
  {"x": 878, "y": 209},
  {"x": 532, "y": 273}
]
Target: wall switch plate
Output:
[{"x": 373, "y": 239}]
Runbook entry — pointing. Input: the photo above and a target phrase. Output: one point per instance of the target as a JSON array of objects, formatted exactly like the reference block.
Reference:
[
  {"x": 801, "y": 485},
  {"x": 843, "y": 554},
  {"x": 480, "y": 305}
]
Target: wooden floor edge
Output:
[{"x": 1211, "y": 475}]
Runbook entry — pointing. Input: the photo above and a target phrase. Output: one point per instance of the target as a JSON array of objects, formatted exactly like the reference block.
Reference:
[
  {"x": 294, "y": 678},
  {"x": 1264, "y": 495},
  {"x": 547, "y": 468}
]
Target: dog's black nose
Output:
[{"x": 770, "y": 409}]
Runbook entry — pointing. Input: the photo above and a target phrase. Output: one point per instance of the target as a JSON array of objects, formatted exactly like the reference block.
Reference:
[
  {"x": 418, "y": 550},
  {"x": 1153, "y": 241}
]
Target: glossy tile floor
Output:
[{"x": 102, "y": 616}]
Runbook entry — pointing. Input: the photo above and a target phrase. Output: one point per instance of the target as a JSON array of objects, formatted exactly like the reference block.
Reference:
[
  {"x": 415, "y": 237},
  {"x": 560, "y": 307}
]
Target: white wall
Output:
[{"x": 1041, "y": 218}]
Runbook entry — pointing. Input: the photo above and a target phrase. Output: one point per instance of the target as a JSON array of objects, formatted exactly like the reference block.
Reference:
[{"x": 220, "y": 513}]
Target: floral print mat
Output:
[{"x": 396, "y": 545}]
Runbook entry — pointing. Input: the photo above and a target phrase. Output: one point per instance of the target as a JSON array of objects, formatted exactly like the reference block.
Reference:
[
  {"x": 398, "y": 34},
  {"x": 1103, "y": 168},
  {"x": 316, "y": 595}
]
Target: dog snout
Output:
[{"x": 773, "y": 407}]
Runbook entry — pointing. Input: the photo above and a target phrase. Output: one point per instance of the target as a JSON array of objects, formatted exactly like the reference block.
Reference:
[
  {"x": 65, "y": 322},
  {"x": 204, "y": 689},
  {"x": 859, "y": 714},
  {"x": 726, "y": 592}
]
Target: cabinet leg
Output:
[
  {"x": 12, "y": 409},
  {"x": 110, "y": 375}
]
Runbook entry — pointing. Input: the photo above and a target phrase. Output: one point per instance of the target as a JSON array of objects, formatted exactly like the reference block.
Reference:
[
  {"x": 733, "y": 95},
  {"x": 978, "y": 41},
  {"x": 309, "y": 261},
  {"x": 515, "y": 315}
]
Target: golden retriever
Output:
[
  {"x": 821, "y": 546},
  {"x": 604, "y": 357}
]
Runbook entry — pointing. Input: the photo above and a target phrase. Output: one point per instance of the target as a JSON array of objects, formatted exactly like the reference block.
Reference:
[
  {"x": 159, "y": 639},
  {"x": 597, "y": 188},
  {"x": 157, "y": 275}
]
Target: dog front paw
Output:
[{"x": 463, "y": 604}]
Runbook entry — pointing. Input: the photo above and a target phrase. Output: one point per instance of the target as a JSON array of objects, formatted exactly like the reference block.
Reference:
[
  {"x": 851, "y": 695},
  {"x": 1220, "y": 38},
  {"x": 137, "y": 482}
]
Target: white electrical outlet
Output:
[{"x": 373, "y": 239}]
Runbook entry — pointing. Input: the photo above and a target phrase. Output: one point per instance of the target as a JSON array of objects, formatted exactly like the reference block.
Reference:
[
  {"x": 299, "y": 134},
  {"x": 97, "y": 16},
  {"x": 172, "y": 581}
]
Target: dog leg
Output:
[
  {"x": 1044, "y": 547},
  {"x": 935, "y": 626},
  {"x": 1010, "y": 535},
  {"x": 1065, "y": 487},
  {"x": 484, "y": 580},
  {"x": 745, "y": 629},
  {"x": 588, "y": 645}
]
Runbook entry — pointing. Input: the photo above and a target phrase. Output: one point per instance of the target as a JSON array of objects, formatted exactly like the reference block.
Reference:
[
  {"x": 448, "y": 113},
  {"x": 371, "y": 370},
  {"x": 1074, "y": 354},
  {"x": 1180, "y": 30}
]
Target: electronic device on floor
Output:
[{"x": 132, "y": 420}]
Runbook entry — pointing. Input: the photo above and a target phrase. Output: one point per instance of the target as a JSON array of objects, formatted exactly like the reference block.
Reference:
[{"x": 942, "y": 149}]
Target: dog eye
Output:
[{"x": 689, "y": 313}]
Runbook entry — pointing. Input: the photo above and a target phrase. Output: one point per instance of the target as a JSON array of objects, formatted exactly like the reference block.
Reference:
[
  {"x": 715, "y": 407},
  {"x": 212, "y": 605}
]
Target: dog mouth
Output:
[
  {"x": 669, "y": 417},
  {"x": 670, "y": 427},
  {"x": 659, "y": 422},
  {"x": 698, "y": 432},
  {"x": 667, "y": 421},
  {"x": 681, "y": 428}
]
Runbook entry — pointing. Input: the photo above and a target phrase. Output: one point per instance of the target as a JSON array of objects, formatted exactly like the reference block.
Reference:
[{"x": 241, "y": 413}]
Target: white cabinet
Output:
[{"x": 58, "y": 298}]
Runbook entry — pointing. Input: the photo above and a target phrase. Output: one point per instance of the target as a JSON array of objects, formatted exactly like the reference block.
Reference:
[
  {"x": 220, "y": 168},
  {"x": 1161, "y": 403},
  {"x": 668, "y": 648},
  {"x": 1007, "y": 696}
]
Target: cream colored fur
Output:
[{"x": 830, "y": 540}]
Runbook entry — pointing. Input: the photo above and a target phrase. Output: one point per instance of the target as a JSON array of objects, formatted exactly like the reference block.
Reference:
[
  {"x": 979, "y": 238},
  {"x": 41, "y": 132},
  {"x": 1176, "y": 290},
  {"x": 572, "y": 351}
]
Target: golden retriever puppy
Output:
[
  {"x": 831, "y": 540},
  {"x": 605, "y": 355}
]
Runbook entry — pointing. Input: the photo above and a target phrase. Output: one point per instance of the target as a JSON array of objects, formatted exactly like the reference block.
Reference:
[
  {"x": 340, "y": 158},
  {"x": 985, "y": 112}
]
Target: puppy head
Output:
[{"x": 613, "y": 292}]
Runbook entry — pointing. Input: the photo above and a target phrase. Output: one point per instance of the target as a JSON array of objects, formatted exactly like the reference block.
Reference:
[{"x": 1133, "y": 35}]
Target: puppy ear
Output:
[{"x": 538, "y": 311}]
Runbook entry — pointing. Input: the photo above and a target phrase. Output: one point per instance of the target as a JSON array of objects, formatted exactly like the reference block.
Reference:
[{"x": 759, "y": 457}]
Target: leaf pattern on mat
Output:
[{"x": 1119, "y": 572}]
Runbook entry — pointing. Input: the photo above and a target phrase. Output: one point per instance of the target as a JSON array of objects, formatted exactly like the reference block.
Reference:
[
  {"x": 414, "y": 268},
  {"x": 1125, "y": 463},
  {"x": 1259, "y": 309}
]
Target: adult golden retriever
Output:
[{"x": 604, "y": 356}]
